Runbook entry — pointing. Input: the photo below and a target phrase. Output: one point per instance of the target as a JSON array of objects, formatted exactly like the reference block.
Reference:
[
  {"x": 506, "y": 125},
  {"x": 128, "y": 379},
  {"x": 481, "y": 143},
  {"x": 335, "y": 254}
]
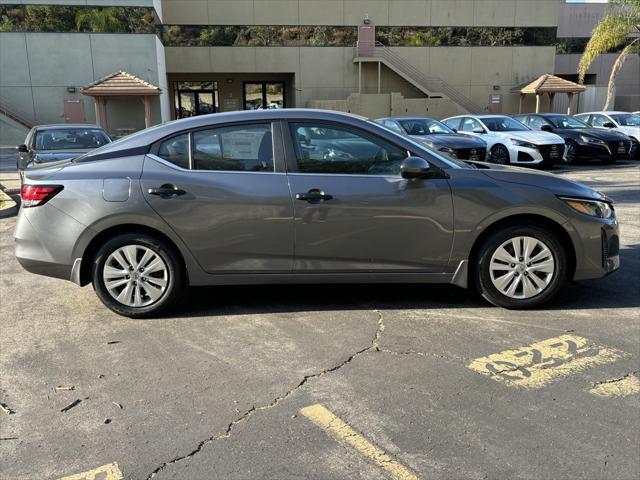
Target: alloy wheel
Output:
[
  {"x": 135, "y": 276},
  {"x": 500, "y": 155},
  {"x": 522, "y": 267},
  {"x": 569, "y": 155}
]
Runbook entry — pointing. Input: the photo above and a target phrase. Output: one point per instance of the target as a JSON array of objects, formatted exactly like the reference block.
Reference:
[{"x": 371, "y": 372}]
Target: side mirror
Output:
[
  {"x": 546, "y": 128},
  {"x": 478, "y": 130},
  {"x": 609, "y": 125},
  {"x": 22, "y": 148},
  {"x": 455, "y": 130},
  {"x": 415, "y": 167}
]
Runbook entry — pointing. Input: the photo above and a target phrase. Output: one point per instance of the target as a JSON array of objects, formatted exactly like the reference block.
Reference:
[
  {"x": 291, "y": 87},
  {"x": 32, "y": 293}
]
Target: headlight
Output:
[
  {"x": 520, "y": 143},
  {"x": 586, "y": 139},
  {"x": 593, "y": 208}
]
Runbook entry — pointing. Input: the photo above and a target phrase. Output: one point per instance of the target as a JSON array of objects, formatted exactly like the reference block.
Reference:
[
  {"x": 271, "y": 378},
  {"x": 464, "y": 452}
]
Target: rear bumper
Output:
[{"x": 44, "y": 241}]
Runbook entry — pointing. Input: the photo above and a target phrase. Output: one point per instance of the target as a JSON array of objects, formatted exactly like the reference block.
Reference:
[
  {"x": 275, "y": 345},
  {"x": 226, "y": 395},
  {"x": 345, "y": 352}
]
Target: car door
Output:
[
  {"x": 224, "y": 191},
  {"x": 471, "y": 126},
  {"x": 598, "y": 120},
  {"x": 354, "y": 212}
]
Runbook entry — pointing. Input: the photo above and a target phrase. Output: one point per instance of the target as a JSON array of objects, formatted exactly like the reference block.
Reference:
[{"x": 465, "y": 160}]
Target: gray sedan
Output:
[{"x": 304, "y": 196}]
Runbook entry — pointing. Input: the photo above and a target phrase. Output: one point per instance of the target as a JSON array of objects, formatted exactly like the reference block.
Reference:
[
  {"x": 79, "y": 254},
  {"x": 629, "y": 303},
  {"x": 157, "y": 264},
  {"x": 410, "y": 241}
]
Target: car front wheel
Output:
[
  {"x": 521, "y": 267},
  {"x": 500, "y": 155},
  {"x": 137, "y": 275}
]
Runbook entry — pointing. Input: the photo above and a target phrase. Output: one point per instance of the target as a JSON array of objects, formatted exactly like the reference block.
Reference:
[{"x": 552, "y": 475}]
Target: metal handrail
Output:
[{"x": 431, "y": 83}]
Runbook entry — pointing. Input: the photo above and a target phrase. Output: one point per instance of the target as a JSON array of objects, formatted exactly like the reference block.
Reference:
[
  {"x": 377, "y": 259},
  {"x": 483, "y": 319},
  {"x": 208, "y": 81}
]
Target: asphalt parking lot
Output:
[{"x": 327, "y": 382}]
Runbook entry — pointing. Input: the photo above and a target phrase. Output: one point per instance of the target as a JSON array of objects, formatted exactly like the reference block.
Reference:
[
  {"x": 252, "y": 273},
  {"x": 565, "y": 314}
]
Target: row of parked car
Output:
[
  {"x": 541, "y": 139},
  {"x": 537, "y": 139}
]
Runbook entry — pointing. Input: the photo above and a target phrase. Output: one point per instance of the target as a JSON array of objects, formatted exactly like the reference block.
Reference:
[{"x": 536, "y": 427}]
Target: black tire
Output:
[
  {"x": 174, "y": 267},
  {"x": 636, "y": 149},
  {"x": 500, "y": 155},
  {"x": 482, "y": 273}
]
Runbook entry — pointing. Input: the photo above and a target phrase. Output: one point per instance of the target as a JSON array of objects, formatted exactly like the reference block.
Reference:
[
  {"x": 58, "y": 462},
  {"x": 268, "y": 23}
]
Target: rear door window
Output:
[{"x": 176, "y": 150}]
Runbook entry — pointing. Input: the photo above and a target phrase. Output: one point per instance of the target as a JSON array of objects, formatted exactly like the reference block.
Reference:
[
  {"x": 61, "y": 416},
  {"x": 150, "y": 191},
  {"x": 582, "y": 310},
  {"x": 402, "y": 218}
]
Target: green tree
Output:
[
  {"x": 613, "y": 31},
  {"x": 100, "y": 20}
]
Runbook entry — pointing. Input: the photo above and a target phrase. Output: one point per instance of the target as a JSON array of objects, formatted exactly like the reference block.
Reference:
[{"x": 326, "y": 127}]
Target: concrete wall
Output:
[
  {"x": 93, "y": 3},
  {"x": 36, "y": 69},
  {"x": 328, "y": 73},
  {"x": 503, "y": 13}
]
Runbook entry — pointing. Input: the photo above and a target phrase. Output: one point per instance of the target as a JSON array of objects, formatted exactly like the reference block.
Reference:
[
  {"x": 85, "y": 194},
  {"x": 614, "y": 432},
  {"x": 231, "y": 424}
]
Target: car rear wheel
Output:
[
  {"x": 521, "y": 267},
  {"x": 137, "y": 275},
  {"x": 500, "y": 154}
]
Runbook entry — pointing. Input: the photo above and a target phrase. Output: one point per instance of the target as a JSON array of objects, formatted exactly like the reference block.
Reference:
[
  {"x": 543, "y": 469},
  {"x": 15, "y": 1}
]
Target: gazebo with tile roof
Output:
[
  {"x": 121, "y": 84},
  {"x": 549, "y": 84}
]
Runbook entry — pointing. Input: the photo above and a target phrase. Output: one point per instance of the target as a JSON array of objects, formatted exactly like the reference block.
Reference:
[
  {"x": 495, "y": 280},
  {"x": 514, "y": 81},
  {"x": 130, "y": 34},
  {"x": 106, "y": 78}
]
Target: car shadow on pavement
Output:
[{"x": 619, "y": 290}]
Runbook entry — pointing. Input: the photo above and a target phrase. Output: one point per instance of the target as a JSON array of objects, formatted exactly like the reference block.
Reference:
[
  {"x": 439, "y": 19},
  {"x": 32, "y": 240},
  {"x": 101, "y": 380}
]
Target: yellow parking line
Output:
[
  {"x": 618, "y": 388},
  {"x": 344, "y": 433},
  {"x": 105, "y": 472},
  {"x": 540, "y": 363}
]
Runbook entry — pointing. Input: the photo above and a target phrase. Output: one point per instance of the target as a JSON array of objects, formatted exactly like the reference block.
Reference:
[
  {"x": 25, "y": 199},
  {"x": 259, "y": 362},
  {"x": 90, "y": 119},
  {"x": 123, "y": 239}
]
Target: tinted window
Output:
[
  {"x": 323, "y": 148},
  {"x": 470, "y": 125},
  {"x": 246, "y": 148},
  {"x": 71, "y": 139},
  {"x": 503, "y": 124},
  {"x": 176, "y": 150},
  {"x": 536, "y": 123},
  {"x": 565, "y": 121},
  {"x": 627, "y": 119},
  {"x": 424, "y": 126},
  {"x": 453, "y": 123},
  {"x": 393, "y": 126},
  {"x": 599, "y": 120}
]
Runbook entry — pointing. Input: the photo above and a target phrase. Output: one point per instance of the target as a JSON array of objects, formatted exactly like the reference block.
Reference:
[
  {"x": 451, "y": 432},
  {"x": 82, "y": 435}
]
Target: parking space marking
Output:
[
  {"x": 623, "y": 387},
  {"x": 326, "y": 420},
  {"x": 105, "y": 472},
  {"x": 540, "y": 363}
]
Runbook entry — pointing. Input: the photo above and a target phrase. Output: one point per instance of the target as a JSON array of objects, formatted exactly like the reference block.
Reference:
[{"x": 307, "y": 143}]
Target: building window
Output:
[
  {"x": 263, "y": 95},
  {"x": 195, "y": 98}
]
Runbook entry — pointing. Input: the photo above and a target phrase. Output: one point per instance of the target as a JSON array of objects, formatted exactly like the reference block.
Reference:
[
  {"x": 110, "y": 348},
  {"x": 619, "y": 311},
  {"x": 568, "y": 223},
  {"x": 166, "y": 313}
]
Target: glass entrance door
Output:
[
  {"x": 195, "y": 98},
  {"x": 263, "y": 95}
]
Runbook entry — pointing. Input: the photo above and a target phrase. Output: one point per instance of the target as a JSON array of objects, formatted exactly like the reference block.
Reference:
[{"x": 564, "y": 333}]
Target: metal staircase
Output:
[
  {"x": 367, "y": 52},
  {"x": 17, "y": 117}
]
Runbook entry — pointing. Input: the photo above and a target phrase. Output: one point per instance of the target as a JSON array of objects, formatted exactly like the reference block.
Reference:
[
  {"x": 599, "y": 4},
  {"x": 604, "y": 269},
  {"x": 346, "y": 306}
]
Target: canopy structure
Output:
[
  {"x": 121, "y": 84},
  {"x": 548, "y": 84}
]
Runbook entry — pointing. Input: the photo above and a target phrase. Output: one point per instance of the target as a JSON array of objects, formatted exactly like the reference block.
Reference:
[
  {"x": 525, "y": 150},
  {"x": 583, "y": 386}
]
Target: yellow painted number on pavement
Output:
[
  {"x": 542, "y": 362},
  {"x": 105, "y": 472}
]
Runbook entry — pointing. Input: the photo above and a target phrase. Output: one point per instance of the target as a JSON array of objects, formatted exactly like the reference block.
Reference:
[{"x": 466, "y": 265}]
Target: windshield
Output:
[
  {"x": 503, "y": 124},
  {"x": 70, "y": 139},
  {"x": 626, "y": 119},
  {"x": 565, "y": 121},
  {"x": 423, "y": 126}
]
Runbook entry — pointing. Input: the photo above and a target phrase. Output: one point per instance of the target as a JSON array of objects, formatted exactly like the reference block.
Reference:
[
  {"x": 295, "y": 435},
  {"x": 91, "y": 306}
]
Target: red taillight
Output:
[{"x": 35, "y": 195}]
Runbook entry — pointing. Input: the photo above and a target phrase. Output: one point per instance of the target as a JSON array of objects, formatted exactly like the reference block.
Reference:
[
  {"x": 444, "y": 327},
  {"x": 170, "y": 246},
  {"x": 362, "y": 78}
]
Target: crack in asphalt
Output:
[
  {"x": 616, "y": 380},
  {"x": 228, "y": 431}
]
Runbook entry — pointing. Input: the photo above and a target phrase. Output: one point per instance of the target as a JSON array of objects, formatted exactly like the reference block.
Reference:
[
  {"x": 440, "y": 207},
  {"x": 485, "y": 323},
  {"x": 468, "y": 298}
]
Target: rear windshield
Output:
[{"x": 70, "y": 139}]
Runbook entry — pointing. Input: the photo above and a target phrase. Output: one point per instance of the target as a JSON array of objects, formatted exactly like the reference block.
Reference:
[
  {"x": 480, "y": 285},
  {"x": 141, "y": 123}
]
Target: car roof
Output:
[
  {"x": 400, "y": 117},
  {"x": 607, "y": 112},
  {"x": 56, "y": 126},
  {"x": 151, "y": 135}
]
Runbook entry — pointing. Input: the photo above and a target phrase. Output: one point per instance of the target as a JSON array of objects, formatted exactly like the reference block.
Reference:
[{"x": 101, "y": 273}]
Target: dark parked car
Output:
[
  {"x": 438, "y": 136},
  {"x": 304, "y": 196},
  {"x": 51, "y": 143},
  {"x": 582, "y": 141}
]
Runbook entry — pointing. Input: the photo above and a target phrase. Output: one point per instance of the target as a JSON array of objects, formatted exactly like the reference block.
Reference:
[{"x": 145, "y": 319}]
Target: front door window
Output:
[
  {"x": 195, "y": 98},
  {"x": 263, "y": 95}
]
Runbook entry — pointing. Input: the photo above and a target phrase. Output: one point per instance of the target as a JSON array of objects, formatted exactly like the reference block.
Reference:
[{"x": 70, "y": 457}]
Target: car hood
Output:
[
  {"x": 606, "y": 135},
  {"x": 451, "y": 140},
  {"x": 536, "y": 137},
  {"x": 46, "y": 156},
  {"x": 631, "y": 131},
  {"x": 548, "y": 181}
]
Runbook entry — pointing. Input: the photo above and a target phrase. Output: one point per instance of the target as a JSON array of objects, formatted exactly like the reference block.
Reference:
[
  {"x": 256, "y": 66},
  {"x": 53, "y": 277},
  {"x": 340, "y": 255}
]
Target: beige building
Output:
[{"x": 373, "y": 57}]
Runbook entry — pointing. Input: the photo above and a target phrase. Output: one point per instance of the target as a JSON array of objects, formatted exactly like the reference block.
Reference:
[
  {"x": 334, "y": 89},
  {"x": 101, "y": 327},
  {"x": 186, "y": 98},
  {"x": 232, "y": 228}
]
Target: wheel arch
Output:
[
  {"x": 103, "y": 236},
  {"x": 527, "y": 220}
]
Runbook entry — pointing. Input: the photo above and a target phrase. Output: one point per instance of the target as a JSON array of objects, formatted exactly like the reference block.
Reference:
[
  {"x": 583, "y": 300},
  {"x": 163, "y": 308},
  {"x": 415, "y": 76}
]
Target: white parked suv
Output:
[
  {"x": 509, "y": 141},
  {"x": 625, "y": 122}
]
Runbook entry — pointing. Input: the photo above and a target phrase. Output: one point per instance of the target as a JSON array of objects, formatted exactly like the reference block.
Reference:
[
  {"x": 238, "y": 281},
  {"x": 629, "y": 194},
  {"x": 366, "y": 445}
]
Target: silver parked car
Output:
[{"x": 304, "y": 196}]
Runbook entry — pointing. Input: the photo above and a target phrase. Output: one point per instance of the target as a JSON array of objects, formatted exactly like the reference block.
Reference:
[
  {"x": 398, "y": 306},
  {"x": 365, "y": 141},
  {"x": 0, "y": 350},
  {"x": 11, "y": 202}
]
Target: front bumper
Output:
[
  {"x": 603, "y": 151},
  {"x": 541, "y": 155},
  {"x": 597, "y": 247}
]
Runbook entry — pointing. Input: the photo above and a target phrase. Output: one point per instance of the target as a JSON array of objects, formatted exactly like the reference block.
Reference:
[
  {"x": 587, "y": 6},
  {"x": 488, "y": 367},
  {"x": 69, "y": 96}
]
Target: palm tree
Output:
[{"x": 614, "y": 30}]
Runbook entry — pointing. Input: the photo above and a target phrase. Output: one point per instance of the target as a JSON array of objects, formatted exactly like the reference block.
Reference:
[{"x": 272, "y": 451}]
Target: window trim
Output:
[
  {"x": 276, "y": 146},
  {"x": 292, "y": 160}
]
